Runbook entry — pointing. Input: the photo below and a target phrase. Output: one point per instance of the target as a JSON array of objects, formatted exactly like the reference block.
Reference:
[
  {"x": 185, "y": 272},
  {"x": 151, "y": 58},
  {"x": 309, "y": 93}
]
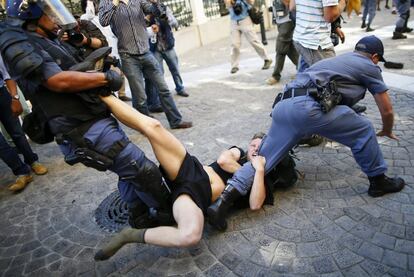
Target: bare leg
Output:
[
  {"x": 167, "y": 148},
  {"x": 190, "y": 222}
]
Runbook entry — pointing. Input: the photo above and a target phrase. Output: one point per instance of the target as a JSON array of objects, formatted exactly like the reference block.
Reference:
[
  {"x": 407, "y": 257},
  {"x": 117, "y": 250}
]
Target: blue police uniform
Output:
[
  {"x": 100, "y": 136},
  {"x": 296, "y": 117}
]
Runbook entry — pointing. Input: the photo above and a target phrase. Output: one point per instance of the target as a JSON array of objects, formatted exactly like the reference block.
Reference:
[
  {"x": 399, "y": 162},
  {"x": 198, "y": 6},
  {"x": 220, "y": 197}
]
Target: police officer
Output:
[
  {"x": 403, "y": 8},
  {"x": 298, "y": 113},
  {"x": 70, "y": 104}
]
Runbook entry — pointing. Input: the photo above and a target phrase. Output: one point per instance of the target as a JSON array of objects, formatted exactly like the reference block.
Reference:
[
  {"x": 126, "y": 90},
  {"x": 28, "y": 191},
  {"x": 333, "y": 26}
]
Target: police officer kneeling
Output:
[
  {"x": 318, "y": 102},
  {"x": 70, "y": 105}
]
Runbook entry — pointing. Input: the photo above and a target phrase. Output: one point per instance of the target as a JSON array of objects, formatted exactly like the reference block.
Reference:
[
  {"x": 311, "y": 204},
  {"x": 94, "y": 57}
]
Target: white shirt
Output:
[{"x": 312, "y": 31}]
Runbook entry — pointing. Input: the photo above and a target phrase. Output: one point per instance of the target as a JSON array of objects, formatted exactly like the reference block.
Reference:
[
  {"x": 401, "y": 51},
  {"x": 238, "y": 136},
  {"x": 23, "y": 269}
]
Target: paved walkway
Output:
[{"x": 325, "y": 225}]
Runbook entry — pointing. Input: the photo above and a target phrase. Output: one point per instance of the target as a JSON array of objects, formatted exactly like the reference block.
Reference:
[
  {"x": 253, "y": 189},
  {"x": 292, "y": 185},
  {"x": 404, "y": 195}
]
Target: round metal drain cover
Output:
[{"x": 112, "y": 214}]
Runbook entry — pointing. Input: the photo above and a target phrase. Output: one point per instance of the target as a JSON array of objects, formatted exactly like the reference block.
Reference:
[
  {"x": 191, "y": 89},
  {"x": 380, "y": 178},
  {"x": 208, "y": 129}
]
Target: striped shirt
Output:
[
  {"x": 312, "y": 31},
  {"x": 127, "y": 23}
]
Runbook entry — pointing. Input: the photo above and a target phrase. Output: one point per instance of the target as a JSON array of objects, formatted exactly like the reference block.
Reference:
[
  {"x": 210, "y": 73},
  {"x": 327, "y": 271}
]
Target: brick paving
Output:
[{"x": 325, "y": 225}]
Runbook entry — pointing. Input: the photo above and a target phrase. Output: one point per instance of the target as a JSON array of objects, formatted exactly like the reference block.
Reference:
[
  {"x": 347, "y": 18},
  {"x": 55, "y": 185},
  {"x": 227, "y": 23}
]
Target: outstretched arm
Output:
[
  {"x": 169, "y": 151},
  {"x": 258, "y": 192},
  {"x": 385, "y": 107}
]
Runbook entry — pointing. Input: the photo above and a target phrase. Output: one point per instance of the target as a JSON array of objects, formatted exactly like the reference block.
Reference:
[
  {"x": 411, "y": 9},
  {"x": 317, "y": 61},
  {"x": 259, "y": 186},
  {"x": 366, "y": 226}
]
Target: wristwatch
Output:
[{"x": 16, "y": 97}]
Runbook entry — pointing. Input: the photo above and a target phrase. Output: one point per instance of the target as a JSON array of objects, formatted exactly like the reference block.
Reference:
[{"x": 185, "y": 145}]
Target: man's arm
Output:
[
  {"x": 228, "y": 160},
  {"x": 258, "y": 191},
  {"x": 16, "y": 106},
  {"x": 228, "y": 3},
  {"x": 331, "y": 13},
  {"x": 74, "y": 81},
  {"x": 97, "y": 39},
  {"x": 107, "y": 9},
  {"x": 292, "y": 5},
  {"x": 387, "y": 115}
]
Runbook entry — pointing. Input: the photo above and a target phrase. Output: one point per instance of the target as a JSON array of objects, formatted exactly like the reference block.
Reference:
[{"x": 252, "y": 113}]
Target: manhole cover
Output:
[{"x": 112, "y": 214}]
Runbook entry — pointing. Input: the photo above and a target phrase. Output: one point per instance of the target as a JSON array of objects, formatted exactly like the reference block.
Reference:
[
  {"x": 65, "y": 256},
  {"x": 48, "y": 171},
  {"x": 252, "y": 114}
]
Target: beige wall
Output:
[{"x": 216, "y": 29}]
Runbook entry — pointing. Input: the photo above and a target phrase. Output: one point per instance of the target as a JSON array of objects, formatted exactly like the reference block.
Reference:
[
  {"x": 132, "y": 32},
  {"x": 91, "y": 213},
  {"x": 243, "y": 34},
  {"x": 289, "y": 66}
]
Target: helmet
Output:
[
  {"x": 24, "y": 9},
  {"x": 34, "y": 9}
]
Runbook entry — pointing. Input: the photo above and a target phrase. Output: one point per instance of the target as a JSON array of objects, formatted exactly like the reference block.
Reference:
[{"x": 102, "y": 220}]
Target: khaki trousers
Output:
[{"x": 244, "y": 27}]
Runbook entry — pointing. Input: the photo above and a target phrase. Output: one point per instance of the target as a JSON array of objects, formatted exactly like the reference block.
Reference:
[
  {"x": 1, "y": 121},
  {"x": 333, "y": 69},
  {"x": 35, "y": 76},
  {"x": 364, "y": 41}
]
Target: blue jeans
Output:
[
  {"x": 370, "y": 9},
  {"x": 13, "y": 127},
  {"x": 171, "y": 59},
  {"x": 297, "y": 117},
  {"x": 153, "y": 99},
  {"x": 135, "y": 67}
]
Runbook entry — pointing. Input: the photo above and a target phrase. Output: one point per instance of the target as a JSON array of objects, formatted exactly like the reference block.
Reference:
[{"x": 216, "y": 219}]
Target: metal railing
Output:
[
  {"x": 211, "y": 8},
  {"x": 181, "y": 10}
]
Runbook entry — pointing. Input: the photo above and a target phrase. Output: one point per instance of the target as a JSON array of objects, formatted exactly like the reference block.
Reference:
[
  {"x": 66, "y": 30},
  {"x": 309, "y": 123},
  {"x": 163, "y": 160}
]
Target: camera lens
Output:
[{"x": 75, "y": 37}]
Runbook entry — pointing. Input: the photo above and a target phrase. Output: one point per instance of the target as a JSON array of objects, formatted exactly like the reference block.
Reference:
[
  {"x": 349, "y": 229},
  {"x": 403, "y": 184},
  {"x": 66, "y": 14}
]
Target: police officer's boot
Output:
[
  {"x": 398, "y": 34},
  {"x": 381, "y": 184},
  {"x": 139, "y": 217},
  {"x": 217, "y": 211}
]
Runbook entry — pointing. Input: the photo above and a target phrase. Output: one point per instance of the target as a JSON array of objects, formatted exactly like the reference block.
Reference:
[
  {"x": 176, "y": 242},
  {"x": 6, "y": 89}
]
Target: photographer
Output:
[
  {"x": 242, "y": 24},
  {"x": 127, "y": 21},
  {"x": 284, "y": 42},
  {"x": 86, "y": 37}
]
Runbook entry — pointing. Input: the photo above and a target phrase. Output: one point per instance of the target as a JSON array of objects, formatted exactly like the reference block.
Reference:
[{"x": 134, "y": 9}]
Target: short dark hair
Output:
[{"x": 259, "y": 135}]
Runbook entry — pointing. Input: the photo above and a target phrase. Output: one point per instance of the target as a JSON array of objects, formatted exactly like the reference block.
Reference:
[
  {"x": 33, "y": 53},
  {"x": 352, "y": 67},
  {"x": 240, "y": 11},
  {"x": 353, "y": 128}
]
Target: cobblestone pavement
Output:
[{"x": 325, "y": 225}]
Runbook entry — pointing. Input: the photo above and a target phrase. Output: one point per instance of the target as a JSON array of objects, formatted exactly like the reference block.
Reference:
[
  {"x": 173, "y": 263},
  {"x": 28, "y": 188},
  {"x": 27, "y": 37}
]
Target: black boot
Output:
[
  {"x": 359, "y": 108},
  {"x": 398, "y": 34},
  {"x": 381, "y": 184},
  {"x": 369, "y": 29},
  {"x": 363, "y": 25},
  {"x": 138, "y": 216},
  {"x": 217, "y": 211}
]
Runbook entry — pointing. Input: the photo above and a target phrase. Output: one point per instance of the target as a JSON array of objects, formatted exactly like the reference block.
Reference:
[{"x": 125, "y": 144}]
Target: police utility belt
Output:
[
  {"x": 328, "y": 96},
  {"x": 85, "y": 154}
]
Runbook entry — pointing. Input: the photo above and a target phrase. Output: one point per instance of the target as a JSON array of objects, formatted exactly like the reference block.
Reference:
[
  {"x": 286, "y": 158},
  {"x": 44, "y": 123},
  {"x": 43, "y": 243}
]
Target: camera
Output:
[
  {"x": 74, "y": 37},
  {"x": 280, "y": 8},
  {"x": 334, "y": 39},
  {"x": 237, "y": 8},
  {"x": 162, "y": 11}
]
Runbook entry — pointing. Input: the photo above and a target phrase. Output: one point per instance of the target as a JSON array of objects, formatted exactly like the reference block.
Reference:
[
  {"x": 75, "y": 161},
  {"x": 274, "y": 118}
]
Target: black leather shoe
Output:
[
  {"x": 363, "y": 25},
  {"x": 369, "y": 29},
  {"x": 234, "y": 70},
  {"x": 217, "y": 211},
  {"x": 183, "y": 94},
  {"x": 183, "y": 125},
  {"x": 359, "y": 108},
  {"x": 407, "y": 30},
  {"x": 398, "y": 35},
  {"x": 267, "y": 64},
  {"x": 381, "y": 184}
]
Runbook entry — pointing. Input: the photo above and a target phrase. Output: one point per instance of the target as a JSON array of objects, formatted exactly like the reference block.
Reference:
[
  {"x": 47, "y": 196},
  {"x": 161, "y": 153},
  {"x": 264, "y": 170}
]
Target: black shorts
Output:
[{"x": 192, "y": 180}]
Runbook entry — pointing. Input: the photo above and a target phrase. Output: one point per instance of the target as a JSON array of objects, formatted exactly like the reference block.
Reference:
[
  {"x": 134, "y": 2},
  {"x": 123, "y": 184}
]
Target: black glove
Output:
[{"x": 114, "y": 80}]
